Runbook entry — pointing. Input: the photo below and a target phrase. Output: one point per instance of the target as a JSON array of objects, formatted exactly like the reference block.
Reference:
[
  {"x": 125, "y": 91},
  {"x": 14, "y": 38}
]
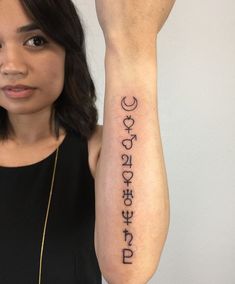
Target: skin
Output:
[
  {"x": 130, "y": 175},
  {"x": 28, "y": 60},
  {"x": 134, "y": 22},
  {"x": 132, "y": 202}
]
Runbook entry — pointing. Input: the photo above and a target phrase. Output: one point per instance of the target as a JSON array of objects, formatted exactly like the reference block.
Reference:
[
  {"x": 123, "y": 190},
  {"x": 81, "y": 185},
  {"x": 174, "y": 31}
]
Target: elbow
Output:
[
  {"x": 142, "y": 271},
  {"x": 117, "y": 279},
  {"x": 132, "y": 276}
]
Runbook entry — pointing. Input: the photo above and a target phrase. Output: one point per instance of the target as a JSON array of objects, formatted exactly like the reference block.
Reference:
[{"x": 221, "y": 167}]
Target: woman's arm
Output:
[{"x": 132, "y": 202}]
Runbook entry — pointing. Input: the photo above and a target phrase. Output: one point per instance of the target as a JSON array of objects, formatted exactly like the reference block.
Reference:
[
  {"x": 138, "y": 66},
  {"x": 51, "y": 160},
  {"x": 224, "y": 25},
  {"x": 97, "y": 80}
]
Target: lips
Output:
[
  {"x": 15, "y": 92},
  {"x": 17, "y": 88}
]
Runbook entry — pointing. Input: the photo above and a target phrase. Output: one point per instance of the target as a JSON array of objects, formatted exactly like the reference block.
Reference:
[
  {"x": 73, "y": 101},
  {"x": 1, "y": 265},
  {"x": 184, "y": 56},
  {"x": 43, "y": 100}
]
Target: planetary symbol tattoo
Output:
[
  {"x": 127, "y": 253},
  {"x": 127, "y": 216},
  {"x": 128, "y": 122},
  {"x": 128, "y": 237},
  {"x": 128, "y": 143},
  {"x": 128, "y": 104},
  {"x": 127, "y": 195},
  {"x": 127, "y": 175},
  {"x": 127, "y": 159},
  {"x": 129, "y": 107}
]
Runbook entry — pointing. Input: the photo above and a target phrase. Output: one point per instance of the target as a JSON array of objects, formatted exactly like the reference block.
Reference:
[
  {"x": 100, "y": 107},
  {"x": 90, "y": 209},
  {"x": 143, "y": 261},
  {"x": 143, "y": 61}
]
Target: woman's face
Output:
[{"x": 26, "y": 59}]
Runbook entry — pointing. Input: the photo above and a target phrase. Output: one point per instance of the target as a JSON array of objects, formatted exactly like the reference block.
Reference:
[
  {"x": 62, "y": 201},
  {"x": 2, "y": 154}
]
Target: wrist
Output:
[
  {"x": 129, "y": 44},
  {"x": 130, "y": 70},
  {"x": 131, "y": 50}
]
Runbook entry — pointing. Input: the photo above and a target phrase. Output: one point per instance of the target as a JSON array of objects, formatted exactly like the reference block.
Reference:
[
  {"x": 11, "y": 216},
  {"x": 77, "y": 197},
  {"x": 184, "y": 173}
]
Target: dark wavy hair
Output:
[{"x": 75, "y": 108}]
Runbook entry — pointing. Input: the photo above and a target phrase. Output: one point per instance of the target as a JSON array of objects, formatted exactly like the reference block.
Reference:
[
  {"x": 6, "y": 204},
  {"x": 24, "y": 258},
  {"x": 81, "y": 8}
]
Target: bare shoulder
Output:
[{"x": 94, "y": 147}]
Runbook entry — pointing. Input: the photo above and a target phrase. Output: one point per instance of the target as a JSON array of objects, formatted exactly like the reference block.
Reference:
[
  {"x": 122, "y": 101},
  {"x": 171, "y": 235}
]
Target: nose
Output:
[{"x": 12, "y": 64}]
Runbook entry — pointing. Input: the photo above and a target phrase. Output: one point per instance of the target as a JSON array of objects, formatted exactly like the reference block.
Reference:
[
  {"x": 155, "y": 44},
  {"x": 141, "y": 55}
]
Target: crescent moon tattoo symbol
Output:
[{"x": 129, "y": 107}]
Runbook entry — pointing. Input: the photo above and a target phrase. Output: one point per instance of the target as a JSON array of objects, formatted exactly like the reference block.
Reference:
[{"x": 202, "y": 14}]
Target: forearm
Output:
[{"x": 131, "y": 178}]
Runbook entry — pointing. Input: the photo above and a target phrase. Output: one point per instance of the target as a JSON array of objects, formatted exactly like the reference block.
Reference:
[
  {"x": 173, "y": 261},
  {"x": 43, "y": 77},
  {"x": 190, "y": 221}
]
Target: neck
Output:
[{"x": 30, "y": 128}]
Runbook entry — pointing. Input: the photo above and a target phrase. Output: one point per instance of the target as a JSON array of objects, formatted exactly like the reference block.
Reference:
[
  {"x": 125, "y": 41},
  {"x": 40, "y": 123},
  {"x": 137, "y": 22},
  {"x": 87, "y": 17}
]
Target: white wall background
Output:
[{"x": 196, "y": 90}]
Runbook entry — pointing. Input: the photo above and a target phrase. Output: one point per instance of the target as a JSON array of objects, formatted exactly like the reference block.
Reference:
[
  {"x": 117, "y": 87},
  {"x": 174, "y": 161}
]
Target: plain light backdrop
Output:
[{"x": 196, "y": 96}]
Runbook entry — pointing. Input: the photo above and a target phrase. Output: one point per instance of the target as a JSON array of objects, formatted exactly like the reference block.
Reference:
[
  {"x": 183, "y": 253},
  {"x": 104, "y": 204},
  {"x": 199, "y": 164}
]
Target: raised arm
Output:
[{"x": 132, "y": 202}]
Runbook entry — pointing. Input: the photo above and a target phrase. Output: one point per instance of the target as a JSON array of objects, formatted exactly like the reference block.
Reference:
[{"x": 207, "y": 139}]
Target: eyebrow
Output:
[{"x": 28, "y": 28}]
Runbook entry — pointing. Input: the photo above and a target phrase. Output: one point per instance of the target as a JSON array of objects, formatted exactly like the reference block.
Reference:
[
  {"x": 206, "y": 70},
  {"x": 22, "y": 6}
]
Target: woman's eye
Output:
[{"x": 37, "y": 41}]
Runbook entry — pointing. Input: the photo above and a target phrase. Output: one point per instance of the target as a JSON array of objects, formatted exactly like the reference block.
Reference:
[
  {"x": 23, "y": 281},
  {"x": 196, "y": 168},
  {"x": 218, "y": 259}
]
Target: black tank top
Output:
[{"x": 69, "y": 254}]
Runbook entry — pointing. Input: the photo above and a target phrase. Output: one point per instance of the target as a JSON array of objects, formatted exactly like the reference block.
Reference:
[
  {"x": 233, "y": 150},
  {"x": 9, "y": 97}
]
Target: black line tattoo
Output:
[
  {"x": 127, "y": 216},
  {"x": 128, "y": 122},
  {"x": 127, "y": 195},
  {"x": 127, "y": 175},
  {"x": 126, "y": 255},
  {"x": 128, "y": 143},
  {"x": 128, "y": 237},
  {"x": 128, "y": 161},
  {"x": 129, "y": 107},
  {"x": 128, "y": 104}
]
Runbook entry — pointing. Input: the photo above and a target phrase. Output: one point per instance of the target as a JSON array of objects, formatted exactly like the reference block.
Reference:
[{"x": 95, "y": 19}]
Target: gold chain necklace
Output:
[{"x": 45, "y": 223}]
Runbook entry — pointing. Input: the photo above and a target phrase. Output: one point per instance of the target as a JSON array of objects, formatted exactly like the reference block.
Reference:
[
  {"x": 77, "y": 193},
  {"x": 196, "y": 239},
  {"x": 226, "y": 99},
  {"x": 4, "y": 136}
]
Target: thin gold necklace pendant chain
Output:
[{"x": 47, "y": 213}]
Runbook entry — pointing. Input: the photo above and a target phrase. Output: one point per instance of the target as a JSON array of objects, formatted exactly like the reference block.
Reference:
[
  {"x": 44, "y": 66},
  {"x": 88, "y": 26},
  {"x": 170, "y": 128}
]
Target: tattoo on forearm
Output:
[
  {"x": 129, "y": 107},
  {"x": 128, "y": 104}
]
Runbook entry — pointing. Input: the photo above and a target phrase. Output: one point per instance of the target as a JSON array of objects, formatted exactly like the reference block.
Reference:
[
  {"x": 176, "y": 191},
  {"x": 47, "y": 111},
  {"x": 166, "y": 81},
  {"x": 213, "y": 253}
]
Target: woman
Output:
[{"x": 80, "y": 199}]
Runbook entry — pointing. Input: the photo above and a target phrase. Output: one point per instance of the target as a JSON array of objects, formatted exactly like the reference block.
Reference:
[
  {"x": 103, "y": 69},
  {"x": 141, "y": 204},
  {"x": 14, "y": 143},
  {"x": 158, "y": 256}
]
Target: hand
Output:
[{"x": 134, "y": 20}]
